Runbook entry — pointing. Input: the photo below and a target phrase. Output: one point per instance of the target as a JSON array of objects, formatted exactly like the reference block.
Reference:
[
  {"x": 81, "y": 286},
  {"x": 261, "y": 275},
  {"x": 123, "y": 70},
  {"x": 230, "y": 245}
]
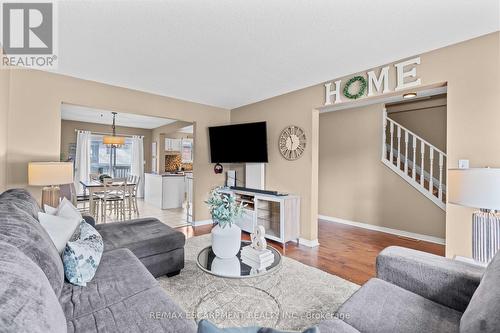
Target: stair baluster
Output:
[
  {"x": 414, "y": 169},
  {"x": 406, "y": 153},
  {"x": 391, "y": 154},
  {"x": 399, "y": 147},
  {"x": 431, "y": 164},
  {"x": 422, "y": 167},
  {"x": 440, "y": 190}
]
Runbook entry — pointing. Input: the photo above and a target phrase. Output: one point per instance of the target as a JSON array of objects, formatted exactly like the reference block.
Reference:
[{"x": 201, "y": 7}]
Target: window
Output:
[
  {"x": 100, "y": 157},
  {"x": 187, "y": 151}
]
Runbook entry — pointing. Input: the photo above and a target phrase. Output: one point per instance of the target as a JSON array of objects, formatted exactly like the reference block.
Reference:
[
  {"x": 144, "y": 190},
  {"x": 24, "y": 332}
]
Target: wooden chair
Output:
[
  {"x": 68, "y": 191},
  {"x": 112, "y": 199},
  {"x": 132, "y": 195}
]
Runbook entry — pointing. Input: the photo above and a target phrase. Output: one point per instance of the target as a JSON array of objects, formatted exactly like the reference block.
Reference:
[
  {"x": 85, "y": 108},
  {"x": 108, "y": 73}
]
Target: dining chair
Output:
[
  {"x": 112, "y": 198},
  {"x": 135, "y": 189},
  {"x": 68, "y": 191},
  {"x": 93, "y": 176},
  {"x": 131, "y": 202}
]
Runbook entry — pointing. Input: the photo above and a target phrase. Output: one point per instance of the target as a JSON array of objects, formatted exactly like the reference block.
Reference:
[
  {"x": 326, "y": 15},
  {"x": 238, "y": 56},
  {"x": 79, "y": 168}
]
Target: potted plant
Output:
[{"x": 226, "y": 235}]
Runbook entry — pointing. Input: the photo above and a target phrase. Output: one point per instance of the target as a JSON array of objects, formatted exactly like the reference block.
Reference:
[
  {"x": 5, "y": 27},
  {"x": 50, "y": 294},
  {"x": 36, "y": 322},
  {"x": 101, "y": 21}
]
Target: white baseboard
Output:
[
  {"x": 403, "y": 233},
  {"x": 308, "y": 242},
  {"x": 201, "y": 222}
]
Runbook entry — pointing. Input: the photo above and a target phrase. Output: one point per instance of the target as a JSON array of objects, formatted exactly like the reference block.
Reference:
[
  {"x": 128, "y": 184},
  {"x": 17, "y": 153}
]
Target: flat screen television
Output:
[{"x": 239, "y": 143}]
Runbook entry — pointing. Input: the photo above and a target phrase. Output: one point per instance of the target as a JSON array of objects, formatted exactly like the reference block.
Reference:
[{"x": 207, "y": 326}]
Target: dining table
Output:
[{"x": 92, "y": 186}]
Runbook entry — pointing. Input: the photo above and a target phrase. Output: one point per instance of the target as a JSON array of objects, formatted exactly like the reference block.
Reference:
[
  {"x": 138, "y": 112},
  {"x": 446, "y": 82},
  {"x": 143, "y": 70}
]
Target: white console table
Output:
[{"x": 278, "y": 214}]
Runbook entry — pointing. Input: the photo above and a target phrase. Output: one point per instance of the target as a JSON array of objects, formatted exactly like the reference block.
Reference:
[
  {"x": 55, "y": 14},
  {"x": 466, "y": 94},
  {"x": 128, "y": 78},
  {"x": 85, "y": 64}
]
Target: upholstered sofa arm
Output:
[
  {"x": 89, "y": 219},
  {"x": 442, "y": 280}
]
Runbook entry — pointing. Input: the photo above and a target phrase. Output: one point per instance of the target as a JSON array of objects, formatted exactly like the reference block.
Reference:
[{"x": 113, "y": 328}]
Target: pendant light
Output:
[{"x": 113, "y": 140}]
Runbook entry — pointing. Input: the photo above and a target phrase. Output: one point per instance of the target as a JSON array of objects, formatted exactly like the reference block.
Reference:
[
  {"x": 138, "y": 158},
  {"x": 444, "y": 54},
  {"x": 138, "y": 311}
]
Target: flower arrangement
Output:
[{"x": 223, "y": 207}]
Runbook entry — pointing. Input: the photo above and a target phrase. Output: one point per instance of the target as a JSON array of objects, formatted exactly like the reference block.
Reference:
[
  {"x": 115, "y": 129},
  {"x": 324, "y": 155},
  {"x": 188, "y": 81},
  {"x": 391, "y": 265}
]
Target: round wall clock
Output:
[{"x": 292, "y": 142}]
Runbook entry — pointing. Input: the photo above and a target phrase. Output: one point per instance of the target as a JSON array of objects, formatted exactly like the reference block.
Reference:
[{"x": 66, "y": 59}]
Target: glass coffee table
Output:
[{"x": 234, "y": 267}]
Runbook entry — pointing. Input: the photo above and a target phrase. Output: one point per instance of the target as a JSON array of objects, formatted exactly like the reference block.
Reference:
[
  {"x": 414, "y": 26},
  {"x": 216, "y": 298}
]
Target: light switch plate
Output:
[{"x": 463, "y": 164}]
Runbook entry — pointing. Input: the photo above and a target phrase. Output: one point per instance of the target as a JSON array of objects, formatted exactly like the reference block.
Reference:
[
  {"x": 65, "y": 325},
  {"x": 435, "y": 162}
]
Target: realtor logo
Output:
[{"x": 28, "y": 34}]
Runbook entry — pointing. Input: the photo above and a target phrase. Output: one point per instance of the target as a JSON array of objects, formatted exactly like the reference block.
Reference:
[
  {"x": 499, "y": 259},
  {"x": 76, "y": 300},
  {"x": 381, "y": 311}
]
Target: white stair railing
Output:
[{"x": 402, "y": 161}]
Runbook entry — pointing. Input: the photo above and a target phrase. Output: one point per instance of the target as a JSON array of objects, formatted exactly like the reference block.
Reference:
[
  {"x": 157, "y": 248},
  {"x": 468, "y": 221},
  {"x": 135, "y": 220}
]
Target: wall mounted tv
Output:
[{"x": 239, "y": 143}]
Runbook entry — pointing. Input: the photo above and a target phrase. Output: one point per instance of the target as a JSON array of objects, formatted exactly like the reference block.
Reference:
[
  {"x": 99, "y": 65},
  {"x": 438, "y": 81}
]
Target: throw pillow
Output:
[
  {"x": 49, "y": 210},
  {"x": 204, "y": 326},
  {"x": 82, "y": 255},
  {"x": 65, "y": 209},
  {"x": 60, "y": 229}
]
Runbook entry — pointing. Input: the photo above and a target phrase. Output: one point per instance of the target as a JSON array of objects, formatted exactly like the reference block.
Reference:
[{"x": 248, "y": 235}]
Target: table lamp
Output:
[
  {"x": 479, "y": 188},
  {"x": 50, "y": 175}
]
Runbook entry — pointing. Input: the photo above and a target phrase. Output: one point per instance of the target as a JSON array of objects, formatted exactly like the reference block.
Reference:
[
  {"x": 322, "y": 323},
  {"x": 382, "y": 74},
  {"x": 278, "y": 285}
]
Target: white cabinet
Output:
[
  {"x": 173, "y": 144},
  {"x": 164, "y": 191},
  {"x": 279, "y": 215}
]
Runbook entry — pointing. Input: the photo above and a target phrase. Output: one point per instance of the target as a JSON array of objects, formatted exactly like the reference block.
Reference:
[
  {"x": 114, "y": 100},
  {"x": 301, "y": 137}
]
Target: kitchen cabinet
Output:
[
  {"x": 165, "y": 191},
  {"x": 173, "y": 144}
]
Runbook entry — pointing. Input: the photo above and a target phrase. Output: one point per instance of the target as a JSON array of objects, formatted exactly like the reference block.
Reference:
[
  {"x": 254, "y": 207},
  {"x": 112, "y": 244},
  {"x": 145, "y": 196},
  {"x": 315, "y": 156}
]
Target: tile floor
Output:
[{"x": 172, "y": 217}]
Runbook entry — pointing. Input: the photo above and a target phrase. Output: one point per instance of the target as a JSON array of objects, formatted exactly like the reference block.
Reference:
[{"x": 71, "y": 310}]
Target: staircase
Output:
[{"x": 414, "y": 159}]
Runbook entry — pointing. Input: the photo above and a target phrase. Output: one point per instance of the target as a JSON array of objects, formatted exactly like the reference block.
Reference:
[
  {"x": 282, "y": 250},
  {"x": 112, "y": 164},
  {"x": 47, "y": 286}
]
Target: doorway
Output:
[{"x": 145, "y": 145}]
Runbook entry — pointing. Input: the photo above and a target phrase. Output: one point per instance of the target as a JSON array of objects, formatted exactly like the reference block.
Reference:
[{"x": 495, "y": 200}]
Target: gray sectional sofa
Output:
[
  {"x": 413, "y": 291},
  {"x": 124, "y": 296},
  {"x": 419, "y": 292}
]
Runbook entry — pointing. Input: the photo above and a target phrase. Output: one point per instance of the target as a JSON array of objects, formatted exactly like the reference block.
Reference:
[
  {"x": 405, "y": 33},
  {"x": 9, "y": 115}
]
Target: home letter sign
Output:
[
  {"x": 373, "y": 80},
  {"x": 412, "y": 73},
  {"x": 406, "y": 77},
  {"x": 330, "y": 93}
]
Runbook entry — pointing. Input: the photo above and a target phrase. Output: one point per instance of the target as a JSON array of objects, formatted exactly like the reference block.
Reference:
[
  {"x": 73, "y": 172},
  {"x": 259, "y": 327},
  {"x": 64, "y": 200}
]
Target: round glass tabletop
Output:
[{"x": 235, "y": 267}]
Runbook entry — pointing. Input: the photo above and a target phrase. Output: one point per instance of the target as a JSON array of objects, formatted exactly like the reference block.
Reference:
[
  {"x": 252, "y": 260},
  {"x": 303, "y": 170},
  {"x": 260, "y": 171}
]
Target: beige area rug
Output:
[{"x": 293, "y": 297}]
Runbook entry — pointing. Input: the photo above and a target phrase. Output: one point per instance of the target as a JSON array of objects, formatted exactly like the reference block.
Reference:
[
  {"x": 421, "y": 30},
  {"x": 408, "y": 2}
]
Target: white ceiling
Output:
[
  {"x": 230, "y": 53},
  {"x": 97, "y": 116}
]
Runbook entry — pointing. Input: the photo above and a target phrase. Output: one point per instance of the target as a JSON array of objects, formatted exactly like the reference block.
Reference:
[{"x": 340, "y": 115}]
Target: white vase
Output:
[
  {"x": 226, "y": 267},
  {"x": 226, "y": 241}
]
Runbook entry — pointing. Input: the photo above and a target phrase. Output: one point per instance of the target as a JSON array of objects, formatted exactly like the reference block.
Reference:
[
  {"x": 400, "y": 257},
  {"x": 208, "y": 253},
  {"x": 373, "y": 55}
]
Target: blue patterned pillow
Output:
[{"x": 82, "y": 255}]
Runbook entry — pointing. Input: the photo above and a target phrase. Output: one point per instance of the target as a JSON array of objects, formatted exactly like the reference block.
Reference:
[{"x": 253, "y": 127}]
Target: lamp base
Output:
[
  {"x": 51, "y": 196},
  {"x": 485, "y": 235}
]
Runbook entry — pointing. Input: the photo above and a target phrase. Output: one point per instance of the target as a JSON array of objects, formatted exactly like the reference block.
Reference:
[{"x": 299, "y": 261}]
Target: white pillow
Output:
[
  {"x": 65, "y": 209},
  {"x": 60, "y": 229},
  {"x": 49, "y": 210}
]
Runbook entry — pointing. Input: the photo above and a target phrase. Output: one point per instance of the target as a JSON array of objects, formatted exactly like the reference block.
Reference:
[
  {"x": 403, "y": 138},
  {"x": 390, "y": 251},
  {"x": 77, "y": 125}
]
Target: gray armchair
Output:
[
  {"x": 419, "y": 292},
  {"x": 445, "y": 281}
]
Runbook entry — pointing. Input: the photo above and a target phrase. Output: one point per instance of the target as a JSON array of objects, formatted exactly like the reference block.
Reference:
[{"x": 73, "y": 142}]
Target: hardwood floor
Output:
[{"x": 346, "y": 251}]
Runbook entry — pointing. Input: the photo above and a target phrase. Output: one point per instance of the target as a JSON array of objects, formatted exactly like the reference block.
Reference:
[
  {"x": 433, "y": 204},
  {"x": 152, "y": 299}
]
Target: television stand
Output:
[
  {"x": 278, "y": 214},
  {"x": 245, "y": 189}
]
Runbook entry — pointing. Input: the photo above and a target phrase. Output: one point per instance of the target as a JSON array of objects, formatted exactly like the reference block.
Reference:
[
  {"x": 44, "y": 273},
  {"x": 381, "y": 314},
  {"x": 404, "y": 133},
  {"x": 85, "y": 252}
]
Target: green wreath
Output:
[{"x": 362, "y": 87}]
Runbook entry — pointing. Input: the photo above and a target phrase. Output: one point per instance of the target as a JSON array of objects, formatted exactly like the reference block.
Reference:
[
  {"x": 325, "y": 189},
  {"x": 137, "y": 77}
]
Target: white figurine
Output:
[{"x": 258, "y": 239}]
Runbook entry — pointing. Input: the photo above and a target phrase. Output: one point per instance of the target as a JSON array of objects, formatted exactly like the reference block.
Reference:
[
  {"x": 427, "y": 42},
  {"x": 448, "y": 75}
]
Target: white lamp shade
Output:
[
  {"x": 50, "y": 173},
  {"x": 477, "y": 187}
]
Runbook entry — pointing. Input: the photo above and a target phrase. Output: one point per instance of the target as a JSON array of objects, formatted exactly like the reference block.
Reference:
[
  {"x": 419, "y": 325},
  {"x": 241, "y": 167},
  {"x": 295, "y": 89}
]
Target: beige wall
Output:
[
  {"x": 35, "y": 103},
  {"x": 355, "y": 185},
  {"x": 68, "y": 136},
  {"x": 4, "y": 107},
  {"x": 471, "y": 71},
  {"x": 283, "y": 175}
]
